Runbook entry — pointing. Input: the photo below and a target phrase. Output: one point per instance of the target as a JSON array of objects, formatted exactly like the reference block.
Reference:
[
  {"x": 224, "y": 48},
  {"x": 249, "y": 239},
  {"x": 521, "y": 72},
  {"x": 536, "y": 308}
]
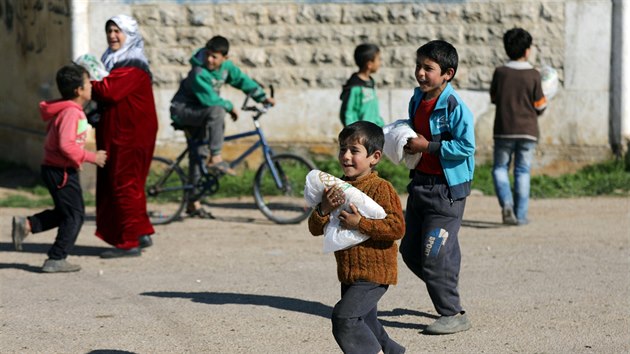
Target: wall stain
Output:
[{"x": 30, "y": 21}]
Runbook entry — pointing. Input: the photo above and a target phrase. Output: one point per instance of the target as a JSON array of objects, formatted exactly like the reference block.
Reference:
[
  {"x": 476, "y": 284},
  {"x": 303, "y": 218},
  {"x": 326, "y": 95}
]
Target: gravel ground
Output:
[{"x": 239, "y": 284}]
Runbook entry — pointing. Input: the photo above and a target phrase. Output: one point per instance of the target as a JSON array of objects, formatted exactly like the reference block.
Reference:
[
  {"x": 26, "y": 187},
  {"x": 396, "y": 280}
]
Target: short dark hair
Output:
[
  {"x": 69, "y": 78},
  {"x": 365, "y": 53},
  {"x": 441, "y": 52},
  {"x": 516, "y": 41},
  {"x": 366, "y": 133},
  {"x": 218, "y": 44}
]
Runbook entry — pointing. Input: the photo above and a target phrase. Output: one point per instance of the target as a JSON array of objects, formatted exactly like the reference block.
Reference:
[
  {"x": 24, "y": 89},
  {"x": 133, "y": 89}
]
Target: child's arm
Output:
[
  {"x": 392, "y": 227},
  {"x": 241, "y": 81},
  {"x": 101, "y": 158},
  {"x": 331, "y": 200},
  {"x": 540, "y": 101},
  {"x": 493, "y": 88}
]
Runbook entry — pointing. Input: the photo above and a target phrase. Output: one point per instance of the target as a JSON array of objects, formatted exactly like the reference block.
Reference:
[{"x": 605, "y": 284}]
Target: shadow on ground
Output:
[
  {"x": 285, "y": 303},
  {"x": 44, "y": 247}
]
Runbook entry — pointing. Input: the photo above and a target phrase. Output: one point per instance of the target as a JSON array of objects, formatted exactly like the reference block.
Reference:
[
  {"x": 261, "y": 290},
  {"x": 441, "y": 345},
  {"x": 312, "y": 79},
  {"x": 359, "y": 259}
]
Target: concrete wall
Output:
[
  {"x": 304, "y": 48},
  {"x": 34, "y": 38}
]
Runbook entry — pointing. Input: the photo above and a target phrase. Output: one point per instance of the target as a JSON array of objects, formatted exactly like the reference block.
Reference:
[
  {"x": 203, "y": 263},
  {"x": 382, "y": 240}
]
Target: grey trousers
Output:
[
  {"x": 201, "y": 123},
  {"x": 354, "y": 323},
  {"x": 430, "y": 248}
]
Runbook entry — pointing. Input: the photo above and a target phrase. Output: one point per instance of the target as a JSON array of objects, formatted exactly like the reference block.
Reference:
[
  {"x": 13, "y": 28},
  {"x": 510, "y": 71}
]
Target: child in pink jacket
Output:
[{"x": 63, "y": 155}]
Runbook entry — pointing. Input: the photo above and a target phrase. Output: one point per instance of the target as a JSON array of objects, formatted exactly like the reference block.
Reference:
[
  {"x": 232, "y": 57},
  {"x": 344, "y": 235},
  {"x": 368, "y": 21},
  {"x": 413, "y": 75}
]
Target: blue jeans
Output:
[{"x": 523, "y": 152}]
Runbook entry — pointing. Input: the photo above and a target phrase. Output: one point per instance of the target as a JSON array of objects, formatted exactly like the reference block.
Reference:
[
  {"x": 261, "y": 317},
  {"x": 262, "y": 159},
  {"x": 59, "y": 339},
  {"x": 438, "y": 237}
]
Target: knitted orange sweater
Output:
[{"x": 375, "y": 259}]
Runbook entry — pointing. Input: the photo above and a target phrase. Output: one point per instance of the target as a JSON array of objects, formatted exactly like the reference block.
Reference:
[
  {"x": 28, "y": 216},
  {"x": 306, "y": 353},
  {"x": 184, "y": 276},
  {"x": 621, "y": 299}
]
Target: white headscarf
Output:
[{"x": 132, "y": 48}]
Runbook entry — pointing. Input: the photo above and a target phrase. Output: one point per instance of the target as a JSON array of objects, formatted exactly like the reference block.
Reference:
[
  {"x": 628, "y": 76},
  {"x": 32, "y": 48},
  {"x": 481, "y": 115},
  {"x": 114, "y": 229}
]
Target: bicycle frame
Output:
[{"x": 260, "y": 143}]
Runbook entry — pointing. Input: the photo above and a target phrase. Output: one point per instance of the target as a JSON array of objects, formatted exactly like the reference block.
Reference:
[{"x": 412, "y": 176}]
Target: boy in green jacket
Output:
[
  {"x": 358, "y": 98},
  {"x": 199, "y": 109}
]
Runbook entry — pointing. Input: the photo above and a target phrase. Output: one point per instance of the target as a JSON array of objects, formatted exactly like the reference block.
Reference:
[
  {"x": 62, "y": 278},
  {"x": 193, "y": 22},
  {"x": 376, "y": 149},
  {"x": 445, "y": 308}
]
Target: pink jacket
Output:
[{"x": 66, "y": 134}]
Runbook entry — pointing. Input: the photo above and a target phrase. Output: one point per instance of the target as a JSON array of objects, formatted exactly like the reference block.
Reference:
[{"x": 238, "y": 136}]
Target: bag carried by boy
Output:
[
  {"x": 396, "y": 136},
  {"x": 337, "y": 238}
]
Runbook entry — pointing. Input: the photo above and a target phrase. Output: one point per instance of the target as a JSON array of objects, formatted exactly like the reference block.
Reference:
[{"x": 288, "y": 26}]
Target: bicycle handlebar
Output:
[{"x": 257, "y": 109}]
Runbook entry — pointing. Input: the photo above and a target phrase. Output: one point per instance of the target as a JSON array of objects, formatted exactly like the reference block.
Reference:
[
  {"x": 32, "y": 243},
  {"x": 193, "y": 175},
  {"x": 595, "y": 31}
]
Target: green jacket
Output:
[
  {"x": 203, "y": 86},
  {"x": 359, "y": 102}
]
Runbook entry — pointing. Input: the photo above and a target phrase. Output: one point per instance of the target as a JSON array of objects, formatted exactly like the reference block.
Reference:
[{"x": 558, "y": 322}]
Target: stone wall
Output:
[
  {"x": 305, "y": 51},
  {"x": 304, "y": 48}
]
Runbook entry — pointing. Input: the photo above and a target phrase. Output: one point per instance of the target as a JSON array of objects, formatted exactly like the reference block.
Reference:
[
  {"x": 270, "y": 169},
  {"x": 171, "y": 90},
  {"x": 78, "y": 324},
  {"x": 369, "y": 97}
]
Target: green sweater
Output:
[
  {"x": 203, "y": 86},
  {"x": 359, "y": 102}
]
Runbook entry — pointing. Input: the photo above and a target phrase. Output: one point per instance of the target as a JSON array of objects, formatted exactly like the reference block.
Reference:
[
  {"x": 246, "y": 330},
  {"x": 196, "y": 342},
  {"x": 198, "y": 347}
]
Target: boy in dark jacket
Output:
[
  {"x": 516, "y": 90},
  {"x": 358, "y": 98}
]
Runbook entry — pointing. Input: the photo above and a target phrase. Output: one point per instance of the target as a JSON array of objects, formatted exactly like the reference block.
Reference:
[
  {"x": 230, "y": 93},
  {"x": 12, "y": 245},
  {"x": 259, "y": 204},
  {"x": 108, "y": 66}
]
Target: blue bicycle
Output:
[{"x": 278, "y": 185}]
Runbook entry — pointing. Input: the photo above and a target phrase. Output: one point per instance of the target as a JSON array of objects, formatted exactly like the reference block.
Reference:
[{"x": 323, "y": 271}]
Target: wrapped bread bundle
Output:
[
  {"x": 335, "y": 237},
  {"x": 396, "y": 136},
  {"x": 94, "y": 66}
]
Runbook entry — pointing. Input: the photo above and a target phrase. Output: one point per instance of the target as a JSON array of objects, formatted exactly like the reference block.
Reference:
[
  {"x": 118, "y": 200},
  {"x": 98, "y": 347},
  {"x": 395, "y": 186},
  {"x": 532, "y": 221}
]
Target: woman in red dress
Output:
[{"x": 126, "y": 130}]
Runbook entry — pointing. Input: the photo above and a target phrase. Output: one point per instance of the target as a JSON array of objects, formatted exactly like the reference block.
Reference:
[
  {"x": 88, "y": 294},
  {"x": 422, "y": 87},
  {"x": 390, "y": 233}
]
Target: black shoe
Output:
[
  {"x": 200, "y": 213},
  {"x": 118, "y": 253},
  {"x": 145, "y": 241}
]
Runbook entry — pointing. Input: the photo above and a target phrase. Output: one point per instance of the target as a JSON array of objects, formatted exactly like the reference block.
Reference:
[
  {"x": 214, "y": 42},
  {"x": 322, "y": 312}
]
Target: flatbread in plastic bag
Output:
[
  {"x": 94, "y": 66},
  {"x": 337, "y": 238},
  {"x": 396, "y": 136}
]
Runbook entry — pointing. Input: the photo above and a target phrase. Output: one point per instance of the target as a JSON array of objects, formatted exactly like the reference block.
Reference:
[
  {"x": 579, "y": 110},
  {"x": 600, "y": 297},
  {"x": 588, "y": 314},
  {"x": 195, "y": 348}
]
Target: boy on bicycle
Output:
[{"x": 199, "y": 110}]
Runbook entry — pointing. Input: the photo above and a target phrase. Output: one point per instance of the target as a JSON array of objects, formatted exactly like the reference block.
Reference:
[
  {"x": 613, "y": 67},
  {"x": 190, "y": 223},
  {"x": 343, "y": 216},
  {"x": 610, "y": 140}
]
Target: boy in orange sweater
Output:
[
  {"x": 367, "y": 269},
  {"x": 63, "y": 155}
]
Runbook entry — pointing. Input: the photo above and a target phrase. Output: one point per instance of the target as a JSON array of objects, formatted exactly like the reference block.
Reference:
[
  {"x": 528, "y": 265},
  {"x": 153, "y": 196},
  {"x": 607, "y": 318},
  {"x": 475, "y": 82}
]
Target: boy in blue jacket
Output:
[
  {"x": 439, "y": 184},
  {"x": 200, "y": 110}
]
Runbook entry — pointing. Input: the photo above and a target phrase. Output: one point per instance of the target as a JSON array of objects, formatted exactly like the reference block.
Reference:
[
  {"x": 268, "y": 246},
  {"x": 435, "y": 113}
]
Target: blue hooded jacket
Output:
[{"x": 453, "y": 134}]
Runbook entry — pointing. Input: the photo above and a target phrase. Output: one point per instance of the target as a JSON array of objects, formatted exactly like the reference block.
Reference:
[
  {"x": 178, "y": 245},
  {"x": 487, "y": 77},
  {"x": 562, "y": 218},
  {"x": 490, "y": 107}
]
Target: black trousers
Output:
[
  {"x": 354, "y": 323},
  {"x": 430, "y": 248},
  {"x": 69, "y": 211}
]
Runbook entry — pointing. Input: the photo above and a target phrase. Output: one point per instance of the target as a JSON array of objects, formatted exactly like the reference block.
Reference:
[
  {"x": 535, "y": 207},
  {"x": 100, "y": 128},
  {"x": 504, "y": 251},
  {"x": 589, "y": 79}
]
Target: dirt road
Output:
[{"x": 239, "y": 284}]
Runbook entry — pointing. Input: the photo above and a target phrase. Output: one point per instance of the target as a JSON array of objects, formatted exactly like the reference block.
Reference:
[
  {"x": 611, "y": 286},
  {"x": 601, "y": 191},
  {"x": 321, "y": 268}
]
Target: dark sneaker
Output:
[
  {"x": 145, "y": 241},
  {"x": 118, "y": 253},
  {"x": 18, "y": 232},
  {"x": 449, "y": 324},
  {"x": 59, "y": 266},
  {"x": 200, "y": 213},
  {"x": 508, "y": 216}
]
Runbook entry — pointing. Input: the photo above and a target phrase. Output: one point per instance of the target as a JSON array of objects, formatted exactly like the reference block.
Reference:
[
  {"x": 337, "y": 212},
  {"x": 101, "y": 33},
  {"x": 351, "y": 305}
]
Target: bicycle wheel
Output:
[
  {"x": 284, "y": 205},
  {"x": 165, "y": 191}
]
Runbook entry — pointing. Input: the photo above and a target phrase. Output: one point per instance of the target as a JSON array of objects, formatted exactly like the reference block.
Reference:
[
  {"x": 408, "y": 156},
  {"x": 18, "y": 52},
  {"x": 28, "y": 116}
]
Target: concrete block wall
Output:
[{"x": 304, "y": 48}]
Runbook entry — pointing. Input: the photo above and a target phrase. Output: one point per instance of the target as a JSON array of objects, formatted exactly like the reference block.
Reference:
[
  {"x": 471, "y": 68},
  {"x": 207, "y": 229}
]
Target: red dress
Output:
[{"x": 127, "y": 131}]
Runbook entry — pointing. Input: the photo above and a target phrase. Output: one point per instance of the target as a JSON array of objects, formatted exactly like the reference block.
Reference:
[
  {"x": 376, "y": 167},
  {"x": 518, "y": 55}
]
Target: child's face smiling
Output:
[
  {"x": 214, "y": 60},
  {"x": 115, "y": 37},
  {"x": 430, "y": 78},
  {"x": 354, "y": 160}
]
